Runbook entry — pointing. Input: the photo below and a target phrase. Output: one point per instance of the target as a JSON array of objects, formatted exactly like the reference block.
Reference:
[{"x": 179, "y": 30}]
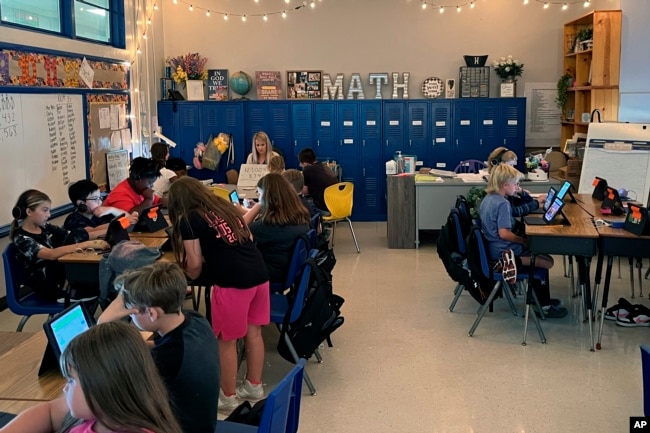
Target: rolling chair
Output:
[
  {"x": 300, "y": 252},
  {"x": 339, "y": 199},
  {"x": 281, "y": 412},
  {"x": 469, "y": 166},
  {"x": 27, "y": 305}
]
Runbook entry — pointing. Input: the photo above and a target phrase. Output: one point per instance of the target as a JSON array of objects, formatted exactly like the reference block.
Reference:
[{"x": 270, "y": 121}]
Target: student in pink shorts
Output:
[{"x": 213, "y": 244}]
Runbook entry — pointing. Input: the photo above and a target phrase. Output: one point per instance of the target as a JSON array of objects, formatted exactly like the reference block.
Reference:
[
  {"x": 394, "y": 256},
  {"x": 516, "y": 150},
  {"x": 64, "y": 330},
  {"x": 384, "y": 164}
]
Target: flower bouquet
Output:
[
  {"x": 507, "y": 67},
  {"x": 190, "y": 66}
]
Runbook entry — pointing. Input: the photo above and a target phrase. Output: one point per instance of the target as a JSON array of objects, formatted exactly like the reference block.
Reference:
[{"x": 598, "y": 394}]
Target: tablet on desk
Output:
[
  {"x": 151, "y": 220},
  {"x": 553, "y": 210},
  {"x": 60, "y": 330}
]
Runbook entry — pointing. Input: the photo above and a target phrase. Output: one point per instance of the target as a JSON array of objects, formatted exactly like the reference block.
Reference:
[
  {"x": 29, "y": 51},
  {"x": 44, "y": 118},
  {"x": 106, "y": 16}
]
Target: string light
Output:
[
  {"x": 546, "y": 5},
  {"x": 263, "y": 15},
  {"x": 424, "y": 5},
  {"x": 457, "y": 8},
  {"x": 565, "y": 4},
  {"x": 441, "y": 7},
  {"x": 525, "y": 2}
]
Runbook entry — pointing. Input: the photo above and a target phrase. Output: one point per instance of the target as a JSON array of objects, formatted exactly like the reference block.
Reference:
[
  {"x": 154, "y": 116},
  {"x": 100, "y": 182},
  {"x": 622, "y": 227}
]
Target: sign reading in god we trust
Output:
[{"x": 249, "y": 174}]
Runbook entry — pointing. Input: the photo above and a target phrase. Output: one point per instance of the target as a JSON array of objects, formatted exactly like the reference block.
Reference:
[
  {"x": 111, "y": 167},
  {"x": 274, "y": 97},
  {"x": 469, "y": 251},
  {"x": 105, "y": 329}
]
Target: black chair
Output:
[{"x": 25, "y": 305}]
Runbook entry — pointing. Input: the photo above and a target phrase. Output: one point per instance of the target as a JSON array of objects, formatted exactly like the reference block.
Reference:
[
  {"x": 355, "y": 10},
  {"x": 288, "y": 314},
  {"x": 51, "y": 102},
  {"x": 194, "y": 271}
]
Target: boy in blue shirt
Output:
[{"x": 497, "y": 224}]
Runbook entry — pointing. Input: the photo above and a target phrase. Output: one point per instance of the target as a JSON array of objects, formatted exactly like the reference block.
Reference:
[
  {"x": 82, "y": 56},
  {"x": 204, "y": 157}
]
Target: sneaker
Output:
[
  {"x": 248, "y": 391},
  {"x": 639, "y": 315},
  {"x": 509, "y": 272},
  {"x": 552, "y": 311},
  {"x": 227, "y": 404},
  {"x": 621, "y": 309}
]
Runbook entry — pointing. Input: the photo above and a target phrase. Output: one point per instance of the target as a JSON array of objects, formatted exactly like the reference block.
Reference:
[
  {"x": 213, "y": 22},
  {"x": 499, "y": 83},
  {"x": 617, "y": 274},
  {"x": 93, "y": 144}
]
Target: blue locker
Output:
[
  {"x": 302, "y": 130},
  {"x": 189, "y": 129},
  {"x": 168, "y": 120},
  {"x": 513, "y": 127},
  {"x": 488, "y": 127},
  {"x": 348, "y": 130},
  {"x": 370, "y": 202},
  {"x": 227, "y": 117},
  {"x": 465, "y": 138},
  {"x": 393, "y": 128},
  {"x": 370, "y": 125},
  {"x": 274, "y": 118},
  {"x": 326, "y": 146},
  {"x": 417, "y": 130},
  {"x": 440, "y": 153}
]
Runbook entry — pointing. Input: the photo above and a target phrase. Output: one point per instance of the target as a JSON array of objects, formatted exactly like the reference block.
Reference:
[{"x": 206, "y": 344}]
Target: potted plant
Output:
[
  {"x": 584, "y": 38},
  {"x": 563, "y": 85}
]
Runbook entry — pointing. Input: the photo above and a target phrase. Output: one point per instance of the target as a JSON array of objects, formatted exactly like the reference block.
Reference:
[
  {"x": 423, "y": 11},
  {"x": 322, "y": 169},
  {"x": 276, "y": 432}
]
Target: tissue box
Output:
[{"x": 537, "y": 174}]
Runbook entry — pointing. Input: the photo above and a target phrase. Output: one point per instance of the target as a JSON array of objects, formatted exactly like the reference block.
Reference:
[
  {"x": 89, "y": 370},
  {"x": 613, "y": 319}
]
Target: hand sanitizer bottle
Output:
[{"x": 399, "y": 162}]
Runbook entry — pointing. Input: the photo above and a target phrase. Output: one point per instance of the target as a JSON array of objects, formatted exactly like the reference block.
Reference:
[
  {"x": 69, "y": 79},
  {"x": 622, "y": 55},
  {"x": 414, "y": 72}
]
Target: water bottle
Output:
[{"x": 399, "y": 162}]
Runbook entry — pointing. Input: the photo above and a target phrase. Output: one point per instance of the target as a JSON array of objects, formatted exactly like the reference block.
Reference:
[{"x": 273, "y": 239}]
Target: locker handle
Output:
[
  {"x": 480, "y": 142},
  {"x": 386, "y": 142},
  {"x": 318, "y": 143},
  {"x": 295, "y": 143},
  {"x": 364, "y": 172},
  {"x": 341, "y": 141},
  {"x": 410, "y": 143},
  {"x": 363, "y": 142}
]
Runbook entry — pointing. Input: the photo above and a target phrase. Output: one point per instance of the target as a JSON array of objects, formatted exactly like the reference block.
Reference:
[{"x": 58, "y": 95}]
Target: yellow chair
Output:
[
  {"x": 339, "y": 198},
  {"x": 220, "y": 192}
]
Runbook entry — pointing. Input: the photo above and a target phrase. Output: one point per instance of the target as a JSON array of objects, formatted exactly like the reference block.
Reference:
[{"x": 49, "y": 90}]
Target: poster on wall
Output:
[
  {"x": 542, "y": 115},
  {"x": 268, "y": 85},
  {"x": 217, "y": 84},
  {"x": 304, "y": 84}
]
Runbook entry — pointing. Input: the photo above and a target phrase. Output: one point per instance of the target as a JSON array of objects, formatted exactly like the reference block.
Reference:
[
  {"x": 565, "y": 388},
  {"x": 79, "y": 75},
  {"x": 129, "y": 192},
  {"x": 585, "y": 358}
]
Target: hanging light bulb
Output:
[
  {"x": 155, "y": 7},
  {"x": 225, "y": 17},
  {"x": 457, "y": 8},
  {"x": 287, "y": 1},
  {"x": 284, "y": 14},
  {"x": 175, "y": 1},
  {"x": 191, "y": 8},
  {"x": 148, "y": 21},
  {"x": 136, "y": 90},
  {"x": 565, "y": 6},
  {"x": 266, "y": 18},
  {"x": 442, "y": 10},
  {"x": 144, "y": 36},
  {"x": 243, "y": 18},
  {"x": 587, "y": 4},
  {"x": 312, "y": 4},
  {"x": 207, "y": 14},
  {"x": 525, "y": 2},
  {"x": 424, "y": 6},
  {"x": 546, "y": 5},
  {"x": 138, "y": 51},
  {"x": 471, "y": 5}
]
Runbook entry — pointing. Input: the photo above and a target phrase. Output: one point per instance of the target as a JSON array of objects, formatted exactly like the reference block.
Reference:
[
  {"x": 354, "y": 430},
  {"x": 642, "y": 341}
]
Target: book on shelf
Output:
[
  {"x": 218, "y": 85},
  {"x": 268, "y": 84}
]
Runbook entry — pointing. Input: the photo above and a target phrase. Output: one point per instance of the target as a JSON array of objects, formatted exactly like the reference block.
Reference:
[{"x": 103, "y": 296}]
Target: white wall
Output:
[{"x": 366, "y": 36}]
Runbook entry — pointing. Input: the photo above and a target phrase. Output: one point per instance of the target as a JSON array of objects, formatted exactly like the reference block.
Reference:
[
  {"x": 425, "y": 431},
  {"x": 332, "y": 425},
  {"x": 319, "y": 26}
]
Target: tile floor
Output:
[{"x": 403, "y": 363}]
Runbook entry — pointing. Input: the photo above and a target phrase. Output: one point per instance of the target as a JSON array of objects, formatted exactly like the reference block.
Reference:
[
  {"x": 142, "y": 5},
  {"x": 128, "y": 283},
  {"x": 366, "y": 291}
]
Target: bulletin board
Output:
[{"x": 108, "y": 130}]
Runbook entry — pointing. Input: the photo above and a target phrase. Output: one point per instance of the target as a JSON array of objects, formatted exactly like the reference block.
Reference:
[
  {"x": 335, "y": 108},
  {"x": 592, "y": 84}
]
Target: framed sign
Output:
[
  {"x": 304, "y": 84},
  {"x": 507, "y": 90}
]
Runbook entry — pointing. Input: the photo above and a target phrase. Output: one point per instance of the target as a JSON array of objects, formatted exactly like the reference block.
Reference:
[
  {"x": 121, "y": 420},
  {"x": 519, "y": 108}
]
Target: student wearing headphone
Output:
[
  {"x": 40, "y": 244},
  {"x": 89, "y": 214},
  {"x": 521, "y": 203},
  {"x": 135, "y": 193}
]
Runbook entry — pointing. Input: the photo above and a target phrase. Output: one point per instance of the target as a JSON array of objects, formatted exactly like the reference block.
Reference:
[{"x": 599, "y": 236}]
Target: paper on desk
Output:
[
  {"x": 428, "y": 178},
  {"x": 470, "y": 177}
]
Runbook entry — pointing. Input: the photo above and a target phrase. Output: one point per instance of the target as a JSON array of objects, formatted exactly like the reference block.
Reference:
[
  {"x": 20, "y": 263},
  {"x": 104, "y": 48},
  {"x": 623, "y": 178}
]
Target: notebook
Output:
[
  {"x": 60, "y": 330},
  {"x": 151, "y": 220},
  {"x": 548, "y": 216},
  {"x": 549, "y": 199}
]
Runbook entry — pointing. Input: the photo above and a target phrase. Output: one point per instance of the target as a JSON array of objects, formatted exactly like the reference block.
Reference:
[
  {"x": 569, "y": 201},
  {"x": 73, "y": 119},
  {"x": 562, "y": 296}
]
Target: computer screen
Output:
[
  {"x": 554, "y": 209},
  {"x": 67, "y": 326},
  {"x": 549, "y": 198},
  {"x": 564, "y": 190}
]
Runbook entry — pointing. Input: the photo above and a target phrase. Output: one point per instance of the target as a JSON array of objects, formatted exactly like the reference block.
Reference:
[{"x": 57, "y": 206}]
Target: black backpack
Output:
[
  {"x": 320, "y": 316},
  {"x": 247, "y": 414}
]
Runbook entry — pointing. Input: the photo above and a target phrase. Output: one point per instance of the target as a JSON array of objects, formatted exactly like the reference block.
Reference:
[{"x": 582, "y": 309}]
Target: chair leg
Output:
[
  {"x": 294, "y": 354},
  {"x": 208, "y": 305},
  {"x": 333, "y": 232},
  {"x": 457, "y": 292},
  {"x": 319, "y": 357},
  {"x": 484, "y": 307},
  {"x": 353, "y": 235},
  {"x": 21, "y": 325},
  {"x": 507, "y": 293}
]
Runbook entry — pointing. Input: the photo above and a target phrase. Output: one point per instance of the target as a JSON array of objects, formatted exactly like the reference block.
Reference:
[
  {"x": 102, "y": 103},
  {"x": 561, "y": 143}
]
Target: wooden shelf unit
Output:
[{"x": 596, "y": 70}]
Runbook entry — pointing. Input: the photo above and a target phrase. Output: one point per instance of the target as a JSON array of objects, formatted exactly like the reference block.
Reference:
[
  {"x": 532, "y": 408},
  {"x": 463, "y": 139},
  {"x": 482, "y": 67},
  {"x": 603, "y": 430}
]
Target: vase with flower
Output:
[
  {"x": 508, "y": 69},
  {"x": 189, "y": 70}
]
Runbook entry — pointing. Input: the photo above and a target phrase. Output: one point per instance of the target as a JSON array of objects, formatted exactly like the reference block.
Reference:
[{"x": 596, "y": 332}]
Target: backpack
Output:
[
  {"x": 247, "y": 414},
  {"x": 482, "y": 277},
  {"x": 320, "y": 316}
]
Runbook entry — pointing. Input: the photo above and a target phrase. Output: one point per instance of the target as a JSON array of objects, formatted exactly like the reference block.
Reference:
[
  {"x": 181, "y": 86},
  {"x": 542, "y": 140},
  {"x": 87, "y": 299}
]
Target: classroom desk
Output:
[
  {"x": 578, "y": 239},
  {"x": 434, "y": 199}
]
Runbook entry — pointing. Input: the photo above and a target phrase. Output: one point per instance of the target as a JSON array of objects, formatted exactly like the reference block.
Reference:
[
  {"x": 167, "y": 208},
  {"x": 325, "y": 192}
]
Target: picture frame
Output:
[
  {"x": 195, "y": 90},
  {"x": 507, "y": 90},
  {"x": 304, "y": 84},
  {"x": 450, "y": 88}
]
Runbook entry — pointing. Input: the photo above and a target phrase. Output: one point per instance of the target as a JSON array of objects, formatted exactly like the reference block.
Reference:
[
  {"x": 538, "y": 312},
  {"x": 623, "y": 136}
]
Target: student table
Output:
[{"x": 580, "y": 238}]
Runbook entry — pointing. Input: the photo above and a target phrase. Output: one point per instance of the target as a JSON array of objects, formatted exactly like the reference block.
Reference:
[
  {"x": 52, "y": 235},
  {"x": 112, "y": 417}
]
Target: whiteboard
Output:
[
  {"x": 629, "y": 169},
  {"x": 42, "y": 147}
]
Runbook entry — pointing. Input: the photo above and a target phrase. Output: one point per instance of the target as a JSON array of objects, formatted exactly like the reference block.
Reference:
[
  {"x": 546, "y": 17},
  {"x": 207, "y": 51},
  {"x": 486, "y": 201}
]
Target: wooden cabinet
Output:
[{"x": 595, "y": 67}]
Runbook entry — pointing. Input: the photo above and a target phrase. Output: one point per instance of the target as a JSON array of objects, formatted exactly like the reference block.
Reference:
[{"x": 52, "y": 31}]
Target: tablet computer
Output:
[
  {"x": 118, "y": 230},
  {"x": 636, "y": 220},
  {"x": 549, "y": 215},
  {"x": 60, "y": 330},
  {"x": 151, "y": 220},
  {"x": 600, "y": 187},
  {"x": 612, "y": 201}
]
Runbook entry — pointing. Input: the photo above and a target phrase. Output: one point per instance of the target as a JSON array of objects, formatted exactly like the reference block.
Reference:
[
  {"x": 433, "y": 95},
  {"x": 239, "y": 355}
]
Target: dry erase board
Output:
[
  {"x": 41, "y": 147},
  {"x": 620, "y": 154}
]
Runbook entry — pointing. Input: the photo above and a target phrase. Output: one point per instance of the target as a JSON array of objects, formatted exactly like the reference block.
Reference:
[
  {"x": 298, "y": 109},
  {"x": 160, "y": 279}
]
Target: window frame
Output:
[{"x": 67, "y": 21}]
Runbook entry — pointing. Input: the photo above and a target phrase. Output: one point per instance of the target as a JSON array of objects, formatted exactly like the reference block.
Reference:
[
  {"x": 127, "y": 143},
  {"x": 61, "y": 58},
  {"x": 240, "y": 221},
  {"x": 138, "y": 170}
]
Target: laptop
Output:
[
  {"x": 554, "y": 209},
  {"x": 60, "y": 330},
  {"x": 151, "y": 220},
  {"x": 600, "y": 187},
  {"x": 549, "y": 199},
  {"x": 118, "y": 230}
]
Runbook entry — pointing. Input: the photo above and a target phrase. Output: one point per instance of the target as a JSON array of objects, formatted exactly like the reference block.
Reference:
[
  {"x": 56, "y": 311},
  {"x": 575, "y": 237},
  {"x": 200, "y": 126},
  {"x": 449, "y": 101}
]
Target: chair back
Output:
[
  {"x": 282, "y": 408},
  {"x": 232, "y": 176},
  {"x": 15, "y": 278},
  {"x": 300, "y": 251},
  {"x": 464, "y": 213},
  {"x": 456, "y": 233},
  {"x": 470, "y": 166},
  {"x": 339, "y": 199},
  {"x": 478, "y": 255},
  {"x": 220, "y": 192},
  {"x": 645, "y": 370},
  {"x": 300, "y": 293}
]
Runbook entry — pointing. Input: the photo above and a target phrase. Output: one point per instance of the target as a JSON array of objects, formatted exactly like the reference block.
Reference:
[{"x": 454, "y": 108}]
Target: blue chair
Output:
[
  {"x": 27, "y": 305},
  {"x": 645, "y": 369},
  {"x": 281, "y": 410},
  {"x": 469, "y": 166},
  {"x": 290, "y": 306},
  {"x": 300, "y": 251}
]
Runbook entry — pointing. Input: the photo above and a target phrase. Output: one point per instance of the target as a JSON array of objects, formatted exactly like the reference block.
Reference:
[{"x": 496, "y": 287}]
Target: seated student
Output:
[
  {"x": 276, "y": 164},
  {"x": 186, "y": 352},
  {"x": 497, "y": 223},
  {"x": 135, "y": 193},
  {"x": 112, "y": 386},
  {"x": 522, "y": 203},
  {"x": 317, "y": 178},
  {"x": 262, "y": 149},
  {"x": 89, "y": 214},
  {"x": 297, "y": 181},
  {"x": 40, "y": 244},
  {"x": 170, "y": 168},
  {"x": 282, "y": 220}
]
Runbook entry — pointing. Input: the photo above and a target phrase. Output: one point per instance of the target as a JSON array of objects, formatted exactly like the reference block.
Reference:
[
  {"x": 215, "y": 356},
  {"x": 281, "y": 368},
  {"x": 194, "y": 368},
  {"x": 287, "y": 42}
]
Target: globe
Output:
[{"x": 241, "y": 83}]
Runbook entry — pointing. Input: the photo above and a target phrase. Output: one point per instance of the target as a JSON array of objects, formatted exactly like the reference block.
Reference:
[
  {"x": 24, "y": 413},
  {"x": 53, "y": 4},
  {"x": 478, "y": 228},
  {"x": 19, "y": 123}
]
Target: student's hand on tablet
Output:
[
  {"x": 541, "y": 199},
  {"x": 133, "y": 218}
]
